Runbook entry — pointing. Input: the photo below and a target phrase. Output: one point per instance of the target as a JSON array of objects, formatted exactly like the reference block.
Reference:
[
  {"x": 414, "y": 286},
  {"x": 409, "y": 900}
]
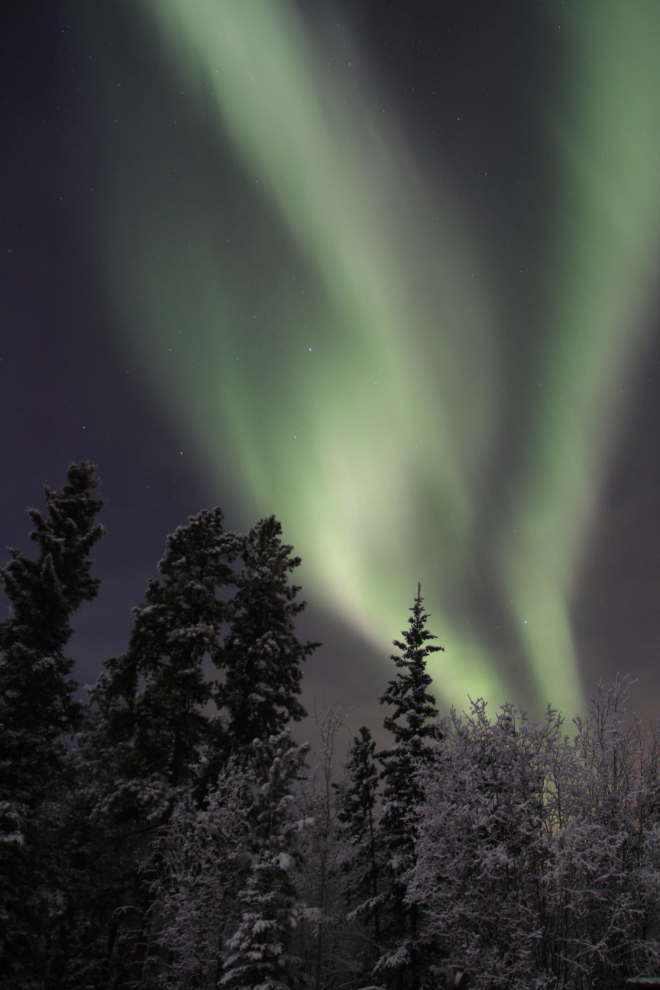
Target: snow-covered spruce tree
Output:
[
  {"x": 37, "y": 712},
  {"x": 151, "y": 699},
  {"x": 259, "y": 953},
  {"x": 357, "y": 815},
  {"x": 203, "y": 862},
  {"x": 412, "y": 728},
  {"x": 261, "y": 655},
  {"x": 148, "y": 728}
]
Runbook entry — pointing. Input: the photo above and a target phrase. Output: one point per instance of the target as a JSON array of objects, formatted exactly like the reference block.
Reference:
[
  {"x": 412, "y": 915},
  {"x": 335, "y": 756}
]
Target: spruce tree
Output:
[
  {"x": 261, "y": 655},
  {"x": 413, "y": 731},
  {"x": 146, "y": 738},
  {"x": 358, "y": 816},
  {"x": 37, "y": 713},
  {"x": 259, "y": 953},
  {"x": 359, "y": 798},
  {"x": 151, "y": 700}
]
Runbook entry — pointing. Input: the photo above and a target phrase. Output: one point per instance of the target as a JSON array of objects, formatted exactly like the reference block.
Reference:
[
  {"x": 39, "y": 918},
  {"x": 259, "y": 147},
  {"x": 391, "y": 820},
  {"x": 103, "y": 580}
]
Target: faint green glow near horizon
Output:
[{"x": 367, "y": 426}]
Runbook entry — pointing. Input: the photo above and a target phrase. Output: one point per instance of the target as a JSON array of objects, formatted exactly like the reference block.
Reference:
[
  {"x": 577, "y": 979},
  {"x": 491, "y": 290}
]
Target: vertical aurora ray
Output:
[
  {"x": 599, "y": 289},
  {"x": 342, "y": 374}
]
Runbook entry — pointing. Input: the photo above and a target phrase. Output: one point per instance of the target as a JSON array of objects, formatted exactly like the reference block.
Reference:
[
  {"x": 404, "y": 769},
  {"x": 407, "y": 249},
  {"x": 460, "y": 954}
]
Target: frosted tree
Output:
[
  {"x": 484, "y": 842},
  {"x": 37, "y": 713},
  {"x": 538, "y": 855},
  {"x": 607, "y": 848},
  {"x": 259, "y": 954},
  {"x": 202, "y": 864}
]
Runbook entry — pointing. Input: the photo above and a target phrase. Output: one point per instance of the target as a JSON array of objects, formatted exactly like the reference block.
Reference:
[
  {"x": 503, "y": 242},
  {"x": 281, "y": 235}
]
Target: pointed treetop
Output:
[
  {"x": 360, "y": 794},
  {"x": 37, "y": 707},
  {"x": 45, "y": 592},
  {"x": 407, "y": 692}
]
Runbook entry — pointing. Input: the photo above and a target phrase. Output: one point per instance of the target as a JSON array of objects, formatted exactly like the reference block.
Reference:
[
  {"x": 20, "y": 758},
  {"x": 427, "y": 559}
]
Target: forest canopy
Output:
[{"x": 168, "y": 832}]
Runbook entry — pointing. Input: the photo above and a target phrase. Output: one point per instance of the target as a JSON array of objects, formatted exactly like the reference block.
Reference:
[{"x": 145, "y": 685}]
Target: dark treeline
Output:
[{"x": 169, "y": 833}]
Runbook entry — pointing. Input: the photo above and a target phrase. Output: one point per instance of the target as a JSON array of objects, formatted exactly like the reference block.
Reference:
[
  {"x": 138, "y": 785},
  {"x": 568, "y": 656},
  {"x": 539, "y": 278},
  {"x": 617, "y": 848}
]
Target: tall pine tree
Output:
[
  {"x": 412, "y": 728},
  {"x": 37, "y": 713}
]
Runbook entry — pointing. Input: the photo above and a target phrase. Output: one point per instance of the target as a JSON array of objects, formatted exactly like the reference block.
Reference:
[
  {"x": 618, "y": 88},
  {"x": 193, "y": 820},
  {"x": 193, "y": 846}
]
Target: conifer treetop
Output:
[
  {"x": 408, "y": 691},
  {"x": 411, "y": 725},
  {"x": 37, "y": 708},
  {"x": 151, "y": 699},
  {"x": 43, "y": 593},
  {"x": 359, "y": 798}
]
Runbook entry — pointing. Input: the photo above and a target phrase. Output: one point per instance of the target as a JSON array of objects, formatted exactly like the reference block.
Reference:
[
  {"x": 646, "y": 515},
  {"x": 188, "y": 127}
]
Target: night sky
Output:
[{"x": 388, "y": 270}]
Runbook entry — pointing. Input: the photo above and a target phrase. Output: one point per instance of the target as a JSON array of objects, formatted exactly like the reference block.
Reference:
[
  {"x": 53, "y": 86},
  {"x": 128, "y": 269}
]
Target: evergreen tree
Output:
[
  {"x": 37, "y": 712},
  {"x": 358, "y": 815},
  {"x": 259, "y": 954},
  {"x": 147, "y": 734},
  {"x": 412, "y": 729},
  {"x": 362, "y": 866},
  {"x": 151, "y": 699},
  {"x": 262, "y": 654}
]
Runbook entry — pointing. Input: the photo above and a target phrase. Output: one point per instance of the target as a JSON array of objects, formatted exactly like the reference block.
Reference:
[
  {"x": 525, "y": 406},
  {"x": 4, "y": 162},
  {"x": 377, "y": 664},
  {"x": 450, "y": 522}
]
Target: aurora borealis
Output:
[{"x": 412, "y": 330}]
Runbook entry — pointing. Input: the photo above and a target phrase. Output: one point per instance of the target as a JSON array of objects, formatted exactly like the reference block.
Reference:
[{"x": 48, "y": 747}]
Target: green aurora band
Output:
[
  {"x": 606, "y": 255},
  {"x": 339, "y": 364}
]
